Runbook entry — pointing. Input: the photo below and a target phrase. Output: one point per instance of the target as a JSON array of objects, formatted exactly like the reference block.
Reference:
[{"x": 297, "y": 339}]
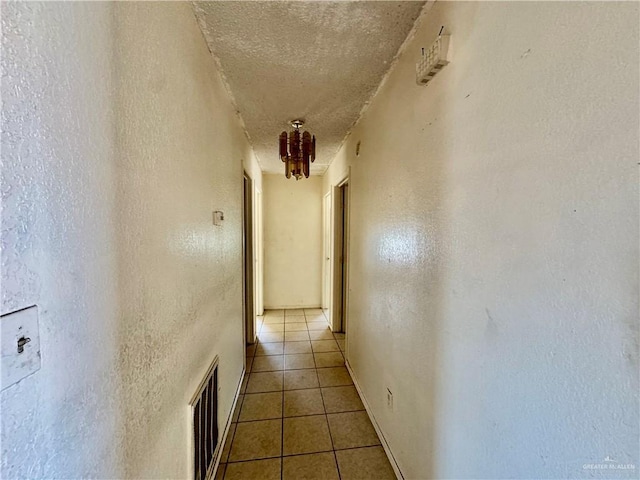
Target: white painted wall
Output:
[
  {"x": 59, "y": 223},
  {"x": 494, "y": 244},
  {"x": 118, "y": 142},
  {"x": 292, "y": 241}
]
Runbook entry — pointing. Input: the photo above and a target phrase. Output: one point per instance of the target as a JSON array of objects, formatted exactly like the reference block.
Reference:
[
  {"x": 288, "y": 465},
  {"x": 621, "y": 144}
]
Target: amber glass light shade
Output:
[{"x": 297, "y": 151}]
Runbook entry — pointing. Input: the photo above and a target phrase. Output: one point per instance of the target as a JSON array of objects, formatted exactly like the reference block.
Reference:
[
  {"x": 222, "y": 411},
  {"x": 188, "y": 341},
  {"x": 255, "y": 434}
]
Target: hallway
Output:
[
  {"x": 299, "y": 415},
  {"x": 470, "y": 220}
]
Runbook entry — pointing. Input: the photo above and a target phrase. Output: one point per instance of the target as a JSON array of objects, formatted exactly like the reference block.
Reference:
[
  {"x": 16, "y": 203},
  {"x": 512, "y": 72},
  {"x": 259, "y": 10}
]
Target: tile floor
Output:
[{"x": 299, "y": 415}]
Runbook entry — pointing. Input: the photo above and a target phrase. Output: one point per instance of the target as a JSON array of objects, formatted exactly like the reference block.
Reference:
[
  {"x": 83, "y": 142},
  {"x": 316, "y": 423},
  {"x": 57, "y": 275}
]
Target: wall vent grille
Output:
[
  {"x": 433, "y": 59},
  {"x": 204, "y": 407}
]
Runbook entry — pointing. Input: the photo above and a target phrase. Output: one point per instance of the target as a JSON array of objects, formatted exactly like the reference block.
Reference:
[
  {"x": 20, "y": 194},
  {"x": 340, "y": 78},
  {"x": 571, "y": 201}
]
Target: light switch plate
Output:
[{"x": 20, "y": 345}]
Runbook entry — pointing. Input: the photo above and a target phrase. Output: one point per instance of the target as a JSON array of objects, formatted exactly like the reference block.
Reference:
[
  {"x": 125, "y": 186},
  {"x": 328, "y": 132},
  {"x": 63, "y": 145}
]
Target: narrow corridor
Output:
[{"x": 299, "y": 415}]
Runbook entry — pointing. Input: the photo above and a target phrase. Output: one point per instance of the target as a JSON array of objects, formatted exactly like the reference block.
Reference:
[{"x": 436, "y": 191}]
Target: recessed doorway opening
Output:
[{"x": 340, "y": 257}]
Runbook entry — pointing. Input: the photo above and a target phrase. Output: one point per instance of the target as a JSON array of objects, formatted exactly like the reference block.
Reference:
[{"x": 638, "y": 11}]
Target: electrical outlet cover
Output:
[{"x": 20, "y": 345}]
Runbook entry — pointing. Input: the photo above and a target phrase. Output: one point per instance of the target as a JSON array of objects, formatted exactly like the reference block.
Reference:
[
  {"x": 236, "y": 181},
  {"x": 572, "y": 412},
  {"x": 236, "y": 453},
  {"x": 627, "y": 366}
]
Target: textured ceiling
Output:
[{"x": 320, "y": 61}]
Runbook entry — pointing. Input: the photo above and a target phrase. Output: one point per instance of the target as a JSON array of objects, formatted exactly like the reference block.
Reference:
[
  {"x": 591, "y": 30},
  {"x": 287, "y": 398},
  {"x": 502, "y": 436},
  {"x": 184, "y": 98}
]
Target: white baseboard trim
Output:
[
  {"x": 287, "y": 307},
  {"x": 383, "y": 440},
  {"x": 223, "y": 439}
]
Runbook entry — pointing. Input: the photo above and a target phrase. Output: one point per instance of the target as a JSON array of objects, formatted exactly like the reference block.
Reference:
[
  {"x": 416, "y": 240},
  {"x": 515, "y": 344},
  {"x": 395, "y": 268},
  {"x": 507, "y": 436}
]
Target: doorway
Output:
[
  {"x": 340, "y": 262},
  {"x": 248, "y": 303},
  {"x": 326, "y": 246},
  {"x": 259, "y": 253}
]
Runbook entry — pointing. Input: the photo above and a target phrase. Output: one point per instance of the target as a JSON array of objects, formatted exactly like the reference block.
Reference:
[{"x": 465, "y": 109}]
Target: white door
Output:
[
  {"x": 326, "y": 265},
  {"x": 259, "y": 254}
]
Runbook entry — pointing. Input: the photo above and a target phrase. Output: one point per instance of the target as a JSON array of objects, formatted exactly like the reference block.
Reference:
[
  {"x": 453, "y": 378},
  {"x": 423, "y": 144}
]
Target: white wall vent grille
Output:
[
  {"x": 204, "y": 407},
  {"x": 433, "y": 59}
]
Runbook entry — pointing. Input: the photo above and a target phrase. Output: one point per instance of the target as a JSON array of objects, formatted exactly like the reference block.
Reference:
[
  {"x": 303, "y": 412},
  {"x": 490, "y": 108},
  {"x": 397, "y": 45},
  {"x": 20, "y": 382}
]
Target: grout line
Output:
[
  {"x": 326, "y": 419},
  {"x": 358, "y": 448},
  {"x": 333, "y": 447},
  {"x": 346, "y": 411},
  {"x": 306, "y": 453},
  {"x": 296, "y": 454},
  {"x": 255, "y": 459},
  {"x": 282, "y": 424},
  {"x": 335, "y": 458}
]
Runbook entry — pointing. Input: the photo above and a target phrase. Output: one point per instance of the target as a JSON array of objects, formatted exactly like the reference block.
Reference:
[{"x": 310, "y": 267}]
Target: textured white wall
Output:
[
  {"x": 292, "y": 241},
  {"x": 59, "y": 249},
  {"x": 118, "y": 142},
  {"x": 494, "y": 244}
]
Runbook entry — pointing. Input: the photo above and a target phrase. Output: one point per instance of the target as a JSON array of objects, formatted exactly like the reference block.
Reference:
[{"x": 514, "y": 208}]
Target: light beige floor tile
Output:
[
  {"x": 249, "y": 364},
  {"x": 306, "y": 435},
  {"x": 313, "y": 311},
  {"x": 272, "y": 328},
  {"x": 271, "y": 337},
  {"x": 296, "y": 336},
  {"x": 251, "y": 350},
  {"x": 334, "y": 377},
  {"x": 328, "y": 359},
  {"x": 262, "y": 469},
  {"x": 298, "y": 361},
  {"x": 370, "y": 463},
  {"x": 318, "y": 326},
  {"x": 315, "y": 317},
  {"x": 220, "y": 471},
  {"x": 321, "y": 334},
  {"x": 273, "y": 320},
  {"x": 269, "y": 363},
  {"x": 339, "y": 336},
  {"x": 352, "y": 429},
  {"x": 303, "y": 402},
  {"x": 295, "y": 327},
  {"x": 298, "y": 379},
  {"x": 324, "y": 346},
  {"x": 341, "y": 344},
  {"x": 254, "y": 440},
  {"x": 260, "y": 382},
  {"x": 293, "y": 312},
  {"x": 261, "y": 406},
  {"x": 274, "y": 313},
  {"x": 275, "y": 348},
  {"x": 295, "y": 319},
  {"x": 227, "y": 444},
  {"x": 297, "y": 347},
  {"x": 341, "y": 399},
  {"x": 316, "y": 466}
]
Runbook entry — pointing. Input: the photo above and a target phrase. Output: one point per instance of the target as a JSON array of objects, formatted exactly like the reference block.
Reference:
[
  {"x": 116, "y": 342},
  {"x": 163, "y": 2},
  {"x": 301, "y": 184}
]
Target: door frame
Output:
[
  {"x": 326, "y": 251},
  {"x": 340, "y": 222},
  {"x": 259, "y": 252},
  {"x": 248, "y": 271}
]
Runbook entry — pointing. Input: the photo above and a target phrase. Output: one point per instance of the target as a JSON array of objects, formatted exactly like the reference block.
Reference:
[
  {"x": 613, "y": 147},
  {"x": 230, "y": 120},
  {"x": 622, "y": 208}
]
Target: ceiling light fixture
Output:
[{"x": 296, "y": 151}]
